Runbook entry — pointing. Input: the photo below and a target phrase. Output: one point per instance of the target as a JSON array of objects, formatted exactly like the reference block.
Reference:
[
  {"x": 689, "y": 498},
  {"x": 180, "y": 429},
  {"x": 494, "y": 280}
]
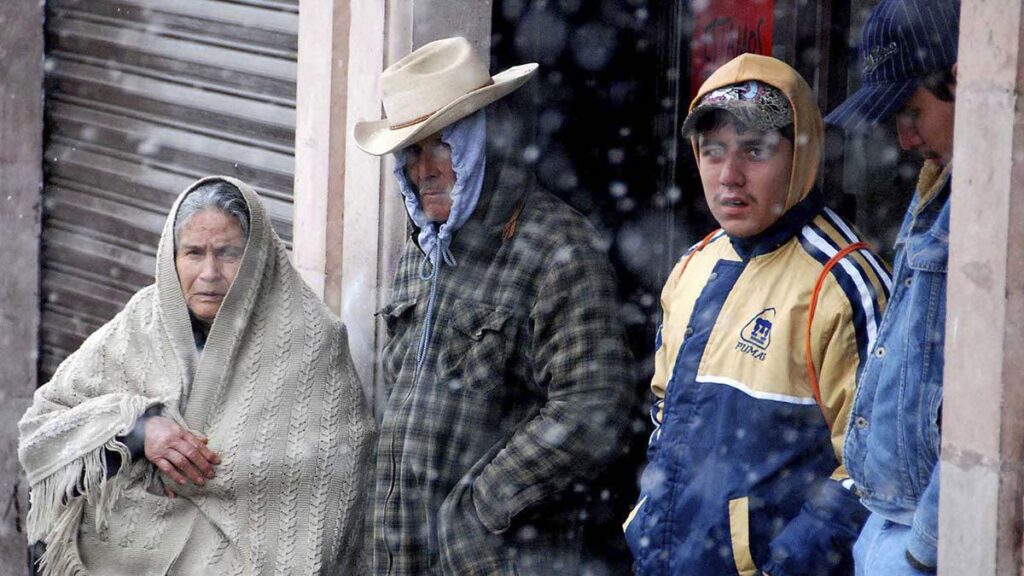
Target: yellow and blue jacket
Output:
[{"x": 744, "y": 468}]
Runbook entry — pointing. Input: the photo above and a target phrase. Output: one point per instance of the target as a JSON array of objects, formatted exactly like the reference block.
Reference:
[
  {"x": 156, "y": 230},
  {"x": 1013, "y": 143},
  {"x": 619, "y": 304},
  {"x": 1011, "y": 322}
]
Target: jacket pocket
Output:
[
  {"x": 398, "y": 326},
  {"x": 638, "y": 529},
  {"x": 632, "y": 515},
  {"x": 474, "y": 355},
  {"x": 928, "y": 251},
  {"x": 393, "y": 313},
  {"x": 930, "y": 434},
  {"x": 466, "y": 546},
  {"x": 634, "y": 530},
  {"x": 739, "y": 530}
]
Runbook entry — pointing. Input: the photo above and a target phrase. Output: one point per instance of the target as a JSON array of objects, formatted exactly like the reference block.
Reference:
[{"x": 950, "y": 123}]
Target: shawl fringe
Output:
[{"x": 58, "y": 501}]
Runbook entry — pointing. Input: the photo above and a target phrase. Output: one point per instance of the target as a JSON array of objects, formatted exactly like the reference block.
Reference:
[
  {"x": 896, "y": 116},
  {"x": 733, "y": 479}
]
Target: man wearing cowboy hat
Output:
[{"x": 505, "y": 364}]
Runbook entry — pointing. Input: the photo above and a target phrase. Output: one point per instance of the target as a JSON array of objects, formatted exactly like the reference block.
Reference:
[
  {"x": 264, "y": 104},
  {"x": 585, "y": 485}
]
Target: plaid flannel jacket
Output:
[{"x": 481, "y": 466}]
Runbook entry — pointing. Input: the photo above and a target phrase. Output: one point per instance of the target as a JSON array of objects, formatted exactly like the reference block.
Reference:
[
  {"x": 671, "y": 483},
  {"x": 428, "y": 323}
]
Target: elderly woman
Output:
[{"x": 214, "y": 426}]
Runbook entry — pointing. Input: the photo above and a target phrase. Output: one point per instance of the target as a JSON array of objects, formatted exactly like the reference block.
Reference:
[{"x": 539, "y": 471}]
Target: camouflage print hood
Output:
[{"x": 808, "y": 128}]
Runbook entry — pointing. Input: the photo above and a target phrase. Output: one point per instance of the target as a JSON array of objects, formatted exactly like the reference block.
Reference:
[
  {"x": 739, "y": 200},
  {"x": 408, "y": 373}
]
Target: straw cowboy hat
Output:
[{"x": 436, "y": 85}]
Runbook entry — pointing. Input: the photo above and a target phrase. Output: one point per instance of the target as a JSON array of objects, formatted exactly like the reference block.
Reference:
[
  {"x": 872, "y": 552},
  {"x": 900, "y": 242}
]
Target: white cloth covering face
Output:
[{"x": 467, "y": 140}]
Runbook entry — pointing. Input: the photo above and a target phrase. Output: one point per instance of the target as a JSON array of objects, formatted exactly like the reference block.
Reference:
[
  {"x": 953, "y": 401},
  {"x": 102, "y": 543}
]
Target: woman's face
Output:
[{"x": 209, "y": 253}]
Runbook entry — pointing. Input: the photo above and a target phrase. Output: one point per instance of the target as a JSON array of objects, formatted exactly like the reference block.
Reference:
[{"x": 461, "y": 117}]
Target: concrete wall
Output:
[
  {"x": 434, "y": 19},
  {"x": 982, "y": 498},
  {"x": 349, "y": 220},
  {"x": 21, "y": 124}
]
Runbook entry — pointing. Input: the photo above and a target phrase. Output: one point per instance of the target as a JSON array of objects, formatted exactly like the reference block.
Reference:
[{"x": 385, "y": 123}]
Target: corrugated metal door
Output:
[{"x": 142, "y": 98}]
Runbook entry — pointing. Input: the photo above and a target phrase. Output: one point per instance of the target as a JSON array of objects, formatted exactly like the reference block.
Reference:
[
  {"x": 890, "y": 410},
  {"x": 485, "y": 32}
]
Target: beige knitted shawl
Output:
[{"x": 274, "y": 391}]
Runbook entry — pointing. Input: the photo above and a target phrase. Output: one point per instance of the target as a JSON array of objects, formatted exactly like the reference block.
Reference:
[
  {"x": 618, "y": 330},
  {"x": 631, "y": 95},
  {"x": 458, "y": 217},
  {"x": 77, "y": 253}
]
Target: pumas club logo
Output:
[{"x": 756, "y": 335}]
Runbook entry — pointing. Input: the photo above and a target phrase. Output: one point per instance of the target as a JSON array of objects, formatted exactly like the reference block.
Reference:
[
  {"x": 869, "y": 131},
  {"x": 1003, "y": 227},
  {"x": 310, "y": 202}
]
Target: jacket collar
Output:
[
  {"x": 932, "y": 182},
  {"x": 784, "y": 229}
]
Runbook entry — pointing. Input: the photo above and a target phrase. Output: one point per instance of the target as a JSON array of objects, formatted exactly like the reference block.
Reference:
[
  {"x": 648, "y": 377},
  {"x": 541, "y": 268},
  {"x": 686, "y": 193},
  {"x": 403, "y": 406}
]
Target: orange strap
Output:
[
  {"x": 815, "y": 388},
  {"x": 703, "y": 243}
]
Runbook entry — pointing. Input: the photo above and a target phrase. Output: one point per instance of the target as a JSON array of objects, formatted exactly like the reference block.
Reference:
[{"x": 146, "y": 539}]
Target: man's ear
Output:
[{"x": 952, "y": 87}]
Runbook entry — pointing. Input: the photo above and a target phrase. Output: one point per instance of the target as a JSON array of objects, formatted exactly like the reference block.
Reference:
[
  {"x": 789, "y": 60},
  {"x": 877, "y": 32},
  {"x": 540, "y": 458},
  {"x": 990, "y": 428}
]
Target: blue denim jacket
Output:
[{"x": 892, "y": 443}]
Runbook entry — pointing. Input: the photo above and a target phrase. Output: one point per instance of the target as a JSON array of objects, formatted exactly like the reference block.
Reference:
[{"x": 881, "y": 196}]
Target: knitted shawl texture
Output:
[{"x": 274, "y": 391}]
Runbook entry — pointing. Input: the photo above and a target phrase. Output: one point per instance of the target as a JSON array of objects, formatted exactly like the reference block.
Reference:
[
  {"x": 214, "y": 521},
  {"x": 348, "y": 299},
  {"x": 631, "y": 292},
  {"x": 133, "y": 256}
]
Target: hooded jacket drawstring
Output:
[
  {"x": 467, "y": 141},
  {"x": 441, "y": 256}
]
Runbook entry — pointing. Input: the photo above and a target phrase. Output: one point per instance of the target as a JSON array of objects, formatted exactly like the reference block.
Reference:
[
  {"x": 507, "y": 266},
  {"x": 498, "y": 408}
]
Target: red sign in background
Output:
[{"x": 724, "y": 29}]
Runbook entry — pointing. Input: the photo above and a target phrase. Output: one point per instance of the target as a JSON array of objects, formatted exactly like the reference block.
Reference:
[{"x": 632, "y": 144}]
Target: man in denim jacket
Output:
[{"x": 909, "y": 52}]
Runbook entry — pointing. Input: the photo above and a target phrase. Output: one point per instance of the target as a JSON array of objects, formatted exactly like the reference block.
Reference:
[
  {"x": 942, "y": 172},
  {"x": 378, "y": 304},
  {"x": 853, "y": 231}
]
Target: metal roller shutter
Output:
[{"x": 142, "y": 98}]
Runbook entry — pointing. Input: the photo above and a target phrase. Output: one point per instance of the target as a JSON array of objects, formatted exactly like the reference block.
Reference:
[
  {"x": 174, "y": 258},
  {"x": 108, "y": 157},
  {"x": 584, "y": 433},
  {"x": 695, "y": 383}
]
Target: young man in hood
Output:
[
  {"x": 505, "y": 363},
  {"x": 909, "y": 53},
  {"x": 766, "y": 323}
]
